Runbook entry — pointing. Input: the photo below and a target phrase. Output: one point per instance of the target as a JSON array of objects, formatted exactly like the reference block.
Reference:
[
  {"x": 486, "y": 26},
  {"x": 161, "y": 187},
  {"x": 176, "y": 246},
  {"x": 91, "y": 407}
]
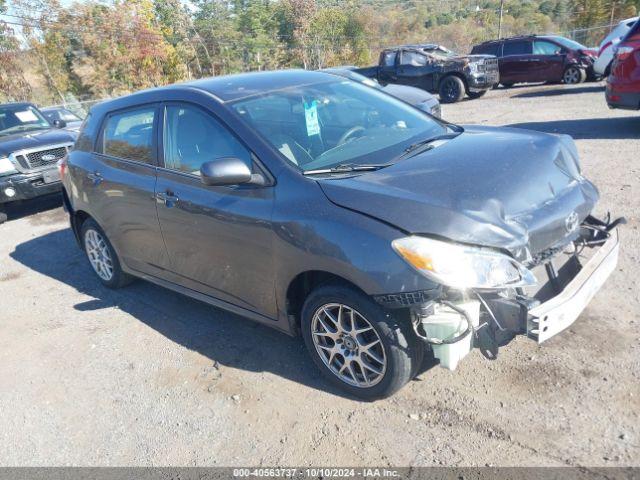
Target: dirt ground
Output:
[{"x": 143, "y": 376}]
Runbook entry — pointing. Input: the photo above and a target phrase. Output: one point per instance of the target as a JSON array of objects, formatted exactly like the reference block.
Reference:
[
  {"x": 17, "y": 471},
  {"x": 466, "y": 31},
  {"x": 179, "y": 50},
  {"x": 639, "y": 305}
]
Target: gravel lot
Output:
[{"x": 143, "y": 376}]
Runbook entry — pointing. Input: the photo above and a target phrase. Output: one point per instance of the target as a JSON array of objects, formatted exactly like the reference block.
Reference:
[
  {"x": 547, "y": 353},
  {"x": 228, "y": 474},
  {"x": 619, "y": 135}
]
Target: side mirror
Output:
[
  {"x": 59, "y": 124},
  {"x": 225, "y": 171}
]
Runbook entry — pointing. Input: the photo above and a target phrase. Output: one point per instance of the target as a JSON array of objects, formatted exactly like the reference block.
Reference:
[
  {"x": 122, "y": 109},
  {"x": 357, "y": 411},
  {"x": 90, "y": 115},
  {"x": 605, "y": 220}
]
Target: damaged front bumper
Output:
[
  {"x": 455, "y": 322},
  {"x": 556, "y": 314}
]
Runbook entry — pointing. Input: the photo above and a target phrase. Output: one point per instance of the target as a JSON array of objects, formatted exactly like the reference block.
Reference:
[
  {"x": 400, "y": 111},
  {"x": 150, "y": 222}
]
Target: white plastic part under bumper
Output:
[{"x": 559, "y": 312}]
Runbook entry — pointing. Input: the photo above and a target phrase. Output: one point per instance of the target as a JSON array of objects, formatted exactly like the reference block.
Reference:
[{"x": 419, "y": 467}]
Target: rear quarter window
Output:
[
  {"x": 86, "y": 136},
  {"x": 491, "y": 49}
]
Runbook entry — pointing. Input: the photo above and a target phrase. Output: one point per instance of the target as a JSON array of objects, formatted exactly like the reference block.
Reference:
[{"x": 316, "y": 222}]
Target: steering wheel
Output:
[{"x": 349, "y": 133}]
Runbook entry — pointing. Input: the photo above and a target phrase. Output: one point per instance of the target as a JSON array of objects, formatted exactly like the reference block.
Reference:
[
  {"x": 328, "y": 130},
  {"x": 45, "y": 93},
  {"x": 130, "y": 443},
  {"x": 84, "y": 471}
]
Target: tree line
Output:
[{"x": 51, "y": 52}]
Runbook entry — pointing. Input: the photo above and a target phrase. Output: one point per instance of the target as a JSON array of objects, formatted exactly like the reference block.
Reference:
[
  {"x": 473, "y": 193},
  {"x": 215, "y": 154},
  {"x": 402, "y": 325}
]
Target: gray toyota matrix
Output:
[{"x": 325, "y": 208}]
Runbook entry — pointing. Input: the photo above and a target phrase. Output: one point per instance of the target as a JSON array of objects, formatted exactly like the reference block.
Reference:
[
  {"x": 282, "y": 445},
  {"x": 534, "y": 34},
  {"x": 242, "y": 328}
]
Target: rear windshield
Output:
[{"x": 635, "y": 31}]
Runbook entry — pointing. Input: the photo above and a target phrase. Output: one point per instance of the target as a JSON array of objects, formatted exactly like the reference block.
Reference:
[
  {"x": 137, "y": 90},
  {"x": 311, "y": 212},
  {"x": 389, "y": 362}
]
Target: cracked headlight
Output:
[
  {"x": 461, "y": 266},
  {"x": 6, "y": 166}
]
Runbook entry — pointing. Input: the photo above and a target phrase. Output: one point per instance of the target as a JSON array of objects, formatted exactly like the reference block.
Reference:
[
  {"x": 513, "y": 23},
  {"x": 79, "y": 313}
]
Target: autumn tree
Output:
[{"x": 13, "y": 85}]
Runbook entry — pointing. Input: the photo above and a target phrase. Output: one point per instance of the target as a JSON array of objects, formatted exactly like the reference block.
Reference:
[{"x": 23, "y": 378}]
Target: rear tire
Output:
[
  {"x": 451, "y": 89},
  {"x": 102, "y": 256},
  {"x": 372, "y": 356},
  {"x": 574, "y": 75}
]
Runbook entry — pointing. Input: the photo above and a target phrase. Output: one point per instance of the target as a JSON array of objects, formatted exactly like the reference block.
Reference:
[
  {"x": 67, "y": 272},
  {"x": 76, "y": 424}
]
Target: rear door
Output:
[
  {"x": 387, "y": 67},
  {"x": 219, "y": 239},
  {"x": 547, "y": 61},
  {"x": 515, "y": 64},
  {"x": 118, "y": 183}
]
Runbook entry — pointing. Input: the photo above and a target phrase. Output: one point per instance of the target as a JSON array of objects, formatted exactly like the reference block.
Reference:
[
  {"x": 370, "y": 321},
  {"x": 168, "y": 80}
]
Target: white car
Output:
[{"x": 605, "y": 55}]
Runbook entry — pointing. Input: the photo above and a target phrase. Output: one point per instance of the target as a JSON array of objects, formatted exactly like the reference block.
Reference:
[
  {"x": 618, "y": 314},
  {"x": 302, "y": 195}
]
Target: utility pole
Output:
[
  {"x": 500, "y": 21},
  {"x": 613, "y": 11}
]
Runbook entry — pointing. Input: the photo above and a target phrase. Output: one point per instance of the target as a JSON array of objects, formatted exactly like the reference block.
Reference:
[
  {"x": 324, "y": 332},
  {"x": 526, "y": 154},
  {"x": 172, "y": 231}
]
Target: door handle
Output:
[
  {"x": 168, "y": 198},
  {"x": 95, "y": 177}
]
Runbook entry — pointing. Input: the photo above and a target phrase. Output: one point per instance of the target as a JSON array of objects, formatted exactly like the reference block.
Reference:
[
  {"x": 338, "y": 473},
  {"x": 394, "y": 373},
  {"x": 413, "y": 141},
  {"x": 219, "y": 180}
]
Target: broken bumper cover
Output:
[{"x": 559, "y": 312}]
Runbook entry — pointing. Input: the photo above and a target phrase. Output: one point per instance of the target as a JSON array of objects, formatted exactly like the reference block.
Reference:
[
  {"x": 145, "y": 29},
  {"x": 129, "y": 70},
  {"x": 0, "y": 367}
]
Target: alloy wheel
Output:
[
  {"x": 99, "y": 254},
  {"x": 572, "y": 76},
  {"x": 451, "y": 90},
  {"x": 348, "y": 345}
]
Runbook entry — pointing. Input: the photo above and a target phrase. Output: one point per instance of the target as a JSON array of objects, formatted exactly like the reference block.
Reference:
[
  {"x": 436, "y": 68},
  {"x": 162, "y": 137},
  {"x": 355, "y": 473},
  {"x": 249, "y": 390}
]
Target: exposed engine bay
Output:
[{"x": 568, "y": 277}]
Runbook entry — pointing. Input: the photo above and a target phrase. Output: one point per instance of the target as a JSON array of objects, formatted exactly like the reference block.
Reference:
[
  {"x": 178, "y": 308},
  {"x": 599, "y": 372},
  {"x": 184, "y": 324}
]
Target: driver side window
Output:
[
  {"x": 545, "y": 48},
  {"x": 413, "y": 59},
  {"x": 193, "y": 137}
]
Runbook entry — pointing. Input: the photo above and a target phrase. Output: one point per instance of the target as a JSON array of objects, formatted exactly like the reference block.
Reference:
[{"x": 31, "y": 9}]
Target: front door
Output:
[
  {"x": 415, "y": 70},
  {"x": 219, "y": 239},
  {"x": 549, "y": 61},
  {"x": 119, "y": 184}
]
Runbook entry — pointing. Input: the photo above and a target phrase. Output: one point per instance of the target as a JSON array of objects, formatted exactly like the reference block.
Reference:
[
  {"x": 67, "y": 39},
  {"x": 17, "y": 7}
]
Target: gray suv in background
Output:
[{"x": 322, "y": 207}]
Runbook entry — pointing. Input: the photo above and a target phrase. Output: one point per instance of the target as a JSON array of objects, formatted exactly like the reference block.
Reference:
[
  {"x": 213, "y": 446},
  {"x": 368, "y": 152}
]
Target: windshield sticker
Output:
[
  {"x": 26, "y": 116},
  {"x": 311, "y": 118}
]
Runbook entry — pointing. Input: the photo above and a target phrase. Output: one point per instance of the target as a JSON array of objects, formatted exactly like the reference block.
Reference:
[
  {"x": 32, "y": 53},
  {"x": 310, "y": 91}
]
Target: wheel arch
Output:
[
  {"x": 304, "y": 283},
  {"x": 460, "y": 75}
]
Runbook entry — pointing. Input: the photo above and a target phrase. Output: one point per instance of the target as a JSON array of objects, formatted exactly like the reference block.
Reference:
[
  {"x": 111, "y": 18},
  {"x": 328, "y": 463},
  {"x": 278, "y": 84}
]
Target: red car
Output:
[
  {"x": 623, "y": 85},
  {"x": 540, "y": 58}
]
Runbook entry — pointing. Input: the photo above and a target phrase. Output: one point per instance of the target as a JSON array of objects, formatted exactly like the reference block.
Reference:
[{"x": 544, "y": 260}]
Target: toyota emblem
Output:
[{"x": 48, "y": 157}]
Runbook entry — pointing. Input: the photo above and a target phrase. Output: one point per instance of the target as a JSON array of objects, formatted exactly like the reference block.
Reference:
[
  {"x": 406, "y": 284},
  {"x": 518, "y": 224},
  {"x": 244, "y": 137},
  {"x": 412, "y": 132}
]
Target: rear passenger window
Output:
[
  {"x": 389, "y": 59},
  {"x": 129, "y": 135},
  {"x": 517, "y": 48}
]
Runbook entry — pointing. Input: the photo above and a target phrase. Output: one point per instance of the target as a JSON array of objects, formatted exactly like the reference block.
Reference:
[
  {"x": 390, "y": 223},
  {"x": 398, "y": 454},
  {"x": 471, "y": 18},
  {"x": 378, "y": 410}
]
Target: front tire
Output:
[
  {"x": 102, "y": 256},
  {"x": 357, "y": 345},
  {"x": 574, "y": 75},
  {"x": 475, "y": 95},
  {"x": 451, "y": 89}
]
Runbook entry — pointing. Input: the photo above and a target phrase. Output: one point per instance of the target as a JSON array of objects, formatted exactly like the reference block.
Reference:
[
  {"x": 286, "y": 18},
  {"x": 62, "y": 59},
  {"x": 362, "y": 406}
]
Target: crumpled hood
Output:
[
  {"x": 498, "y": 187},
  {"x": 35, "y": 139}
]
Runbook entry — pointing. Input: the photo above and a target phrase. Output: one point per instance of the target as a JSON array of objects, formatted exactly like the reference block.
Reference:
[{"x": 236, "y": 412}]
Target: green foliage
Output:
[{"x": 97, "y": 48}]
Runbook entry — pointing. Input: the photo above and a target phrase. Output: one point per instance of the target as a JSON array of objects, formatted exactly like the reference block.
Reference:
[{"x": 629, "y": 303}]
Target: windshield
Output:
[
  {"x": 356, "y": 77},
  {"x": 21, "y": 118},
  {"x": 565, "y": 42},
  {"x": 337, "y": 123},
  {"x": 68, "y": 116}
]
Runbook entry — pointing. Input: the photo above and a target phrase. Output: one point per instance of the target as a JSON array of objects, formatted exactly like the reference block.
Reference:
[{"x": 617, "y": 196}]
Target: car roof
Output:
[
  {"x": 520, "y": 37},
  {"x": 225, "y": 88},
  {"x": 418, "y": 46}
]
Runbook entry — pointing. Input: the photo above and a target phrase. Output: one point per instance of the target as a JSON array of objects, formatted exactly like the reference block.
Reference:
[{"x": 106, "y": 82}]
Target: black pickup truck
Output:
[
  {"x": 30, "y": 148},
  {"x": 434, "y": 68}
]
